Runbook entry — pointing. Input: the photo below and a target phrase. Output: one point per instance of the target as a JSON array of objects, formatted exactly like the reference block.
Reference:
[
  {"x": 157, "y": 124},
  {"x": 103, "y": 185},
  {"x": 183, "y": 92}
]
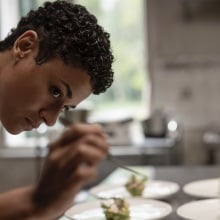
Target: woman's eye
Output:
[{"x": 55, "y": 92}]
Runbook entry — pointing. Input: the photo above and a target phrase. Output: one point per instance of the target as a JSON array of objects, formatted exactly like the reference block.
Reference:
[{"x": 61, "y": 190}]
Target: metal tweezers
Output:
[{"x": 120, "y": 164}]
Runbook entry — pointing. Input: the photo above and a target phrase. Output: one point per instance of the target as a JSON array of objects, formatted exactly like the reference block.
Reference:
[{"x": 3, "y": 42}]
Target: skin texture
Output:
[
  {"x": 34, "y": 100},
  {"x": 28, "y": 97}
]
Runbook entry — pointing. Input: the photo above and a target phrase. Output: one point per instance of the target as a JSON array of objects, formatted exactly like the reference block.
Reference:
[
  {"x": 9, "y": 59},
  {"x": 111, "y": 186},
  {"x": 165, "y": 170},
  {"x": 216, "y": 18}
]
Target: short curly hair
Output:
[{"x": 72, "y": 33}]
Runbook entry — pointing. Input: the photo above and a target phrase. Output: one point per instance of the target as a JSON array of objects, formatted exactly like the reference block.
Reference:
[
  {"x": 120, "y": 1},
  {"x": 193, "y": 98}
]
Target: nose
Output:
[{"x": 49, "y": 116}]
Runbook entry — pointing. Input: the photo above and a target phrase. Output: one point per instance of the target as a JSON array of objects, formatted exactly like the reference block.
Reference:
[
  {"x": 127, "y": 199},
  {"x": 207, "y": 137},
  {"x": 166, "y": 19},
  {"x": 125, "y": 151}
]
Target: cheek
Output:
[
  {"x": 32, "y": 96},
  {"x": 53, "y": 105},
  {"x": 10, "y": 117},
  {"x": 83, "y": 93},
  {"x": 8, "y": 101}
]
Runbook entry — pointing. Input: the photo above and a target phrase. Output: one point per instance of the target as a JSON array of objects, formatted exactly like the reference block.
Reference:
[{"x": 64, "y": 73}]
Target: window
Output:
[
  {"x": 124, "y": 20},
  {"x": 129, "y": 95}
]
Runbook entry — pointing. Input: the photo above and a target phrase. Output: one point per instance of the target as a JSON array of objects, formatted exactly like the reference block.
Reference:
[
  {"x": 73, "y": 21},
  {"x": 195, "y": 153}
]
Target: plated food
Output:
[
  {"x": 118, "y": 209},
  {"x": 136, "y": 185},
  {"x": 141, "y": 209},
  {"x": 153, "y": 189}
]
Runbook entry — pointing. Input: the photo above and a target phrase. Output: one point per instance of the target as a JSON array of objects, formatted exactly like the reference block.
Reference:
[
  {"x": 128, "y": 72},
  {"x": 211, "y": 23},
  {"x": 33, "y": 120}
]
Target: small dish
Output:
[
  {"x": 207, "y": 209},
  {"x": 141, "y": 209},
  {"x": 154, "y": 189},
  {"x": 207, "y": 188}
]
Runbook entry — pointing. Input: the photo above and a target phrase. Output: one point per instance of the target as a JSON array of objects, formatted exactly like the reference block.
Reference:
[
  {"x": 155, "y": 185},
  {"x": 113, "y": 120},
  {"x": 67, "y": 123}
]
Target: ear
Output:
[{"x": 25, "y": 44}]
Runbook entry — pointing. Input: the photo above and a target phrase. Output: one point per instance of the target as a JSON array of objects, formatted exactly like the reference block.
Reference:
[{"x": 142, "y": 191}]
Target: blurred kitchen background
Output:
[{"x": 163, "y": 108}]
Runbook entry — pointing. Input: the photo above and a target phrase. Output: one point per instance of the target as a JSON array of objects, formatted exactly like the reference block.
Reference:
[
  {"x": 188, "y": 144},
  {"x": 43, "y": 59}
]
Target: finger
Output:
[
  {"x": 85, "y": 154},
  {"x": 98, "y": 142},
  {"x": 76, "y": 131},
  {"x": 83, "y": 175},
  {"x": 79, "y": 130},
  {"x": 89, "y": 149}
]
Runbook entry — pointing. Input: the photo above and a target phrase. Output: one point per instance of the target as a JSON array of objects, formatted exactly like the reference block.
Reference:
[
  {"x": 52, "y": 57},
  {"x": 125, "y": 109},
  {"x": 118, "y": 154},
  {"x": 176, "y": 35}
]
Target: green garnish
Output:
[
  {"x": 135, "y": 186},
  {"x": 118, "y": 210}
]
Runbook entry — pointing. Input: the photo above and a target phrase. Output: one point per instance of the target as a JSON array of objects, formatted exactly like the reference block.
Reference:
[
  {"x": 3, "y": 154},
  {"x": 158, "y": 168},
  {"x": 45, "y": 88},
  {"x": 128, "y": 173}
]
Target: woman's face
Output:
[{"x": 31, "y": 94}]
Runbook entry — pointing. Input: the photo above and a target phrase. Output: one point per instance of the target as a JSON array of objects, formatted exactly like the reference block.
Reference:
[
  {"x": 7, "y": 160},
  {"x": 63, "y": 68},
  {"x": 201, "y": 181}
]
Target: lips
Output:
[
  {"x": 28, "y": 125},
  {"x": 33, "y": 124}
]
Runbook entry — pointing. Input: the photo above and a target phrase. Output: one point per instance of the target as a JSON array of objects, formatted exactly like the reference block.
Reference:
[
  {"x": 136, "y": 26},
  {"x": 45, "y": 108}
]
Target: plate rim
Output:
[
  {"x": 107, "y": 186},
  {"x": 192, "y": 202},
  {"x": 185, "y": 190},
  {"x": 97, "y": 203}
]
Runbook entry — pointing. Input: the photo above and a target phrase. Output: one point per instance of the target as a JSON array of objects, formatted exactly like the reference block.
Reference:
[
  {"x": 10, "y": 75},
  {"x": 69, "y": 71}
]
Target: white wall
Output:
[
  {"x": 185, "y": 69},
  {"x": 9, "y": 16}
]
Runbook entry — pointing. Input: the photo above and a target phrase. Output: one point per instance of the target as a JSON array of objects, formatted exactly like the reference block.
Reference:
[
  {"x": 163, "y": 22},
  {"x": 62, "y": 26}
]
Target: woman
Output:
[{"x": 55, "y": 58}]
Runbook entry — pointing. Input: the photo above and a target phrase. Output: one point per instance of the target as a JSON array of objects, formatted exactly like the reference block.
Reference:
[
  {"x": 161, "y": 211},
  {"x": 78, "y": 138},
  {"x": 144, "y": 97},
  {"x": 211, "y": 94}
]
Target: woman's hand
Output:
[{"x": 71, "y": 163}]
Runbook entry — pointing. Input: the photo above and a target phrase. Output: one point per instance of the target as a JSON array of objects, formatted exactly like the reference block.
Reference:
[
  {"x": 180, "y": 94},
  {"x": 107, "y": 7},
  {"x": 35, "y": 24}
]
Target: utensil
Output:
[
  {"x": 66, "y": 121},
  {"x": 120, "y": 164}
]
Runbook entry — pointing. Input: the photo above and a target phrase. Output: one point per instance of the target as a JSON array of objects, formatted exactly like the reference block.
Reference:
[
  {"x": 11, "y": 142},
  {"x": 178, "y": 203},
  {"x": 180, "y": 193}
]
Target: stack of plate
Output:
[{"x": 206, "y": 209}]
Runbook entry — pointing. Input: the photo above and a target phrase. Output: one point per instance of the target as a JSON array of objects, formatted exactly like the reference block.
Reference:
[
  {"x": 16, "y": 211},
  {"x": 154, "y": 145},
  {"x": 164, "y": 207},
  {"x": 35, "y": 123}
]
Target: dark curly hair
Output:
[{"x": 70, "y": 32}]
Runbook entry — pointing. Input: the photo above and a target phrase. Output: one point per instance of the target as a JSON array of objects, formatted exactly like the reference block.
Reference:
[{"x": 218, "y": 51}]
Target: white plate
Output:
[
  {"x": 140, "y": 209},
  {"x": 208, "y": 209},
  {"x": 153, "y": 190},
  {"x": 208, "y": 188}
]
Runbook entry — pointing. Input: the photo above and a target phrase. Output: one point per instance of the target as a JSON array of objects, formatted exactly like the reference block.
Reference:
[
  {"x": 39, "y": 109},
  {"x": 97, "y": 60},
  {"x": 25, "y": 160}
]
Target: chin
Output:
[{"x": 12, "y": 129}]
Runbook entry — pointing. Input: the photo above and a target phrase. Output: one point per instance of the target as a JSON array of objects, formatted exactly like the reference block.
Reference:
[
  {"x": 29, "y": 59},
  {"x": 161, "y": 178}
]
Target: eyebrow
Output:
[{"x": 68, "y": 90}]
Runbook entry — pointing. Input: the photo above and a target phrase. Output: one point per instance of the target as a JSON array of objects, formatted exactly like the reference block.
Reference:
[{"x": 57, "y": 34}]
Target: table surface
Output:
[{"x": 179, "y": 174}]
